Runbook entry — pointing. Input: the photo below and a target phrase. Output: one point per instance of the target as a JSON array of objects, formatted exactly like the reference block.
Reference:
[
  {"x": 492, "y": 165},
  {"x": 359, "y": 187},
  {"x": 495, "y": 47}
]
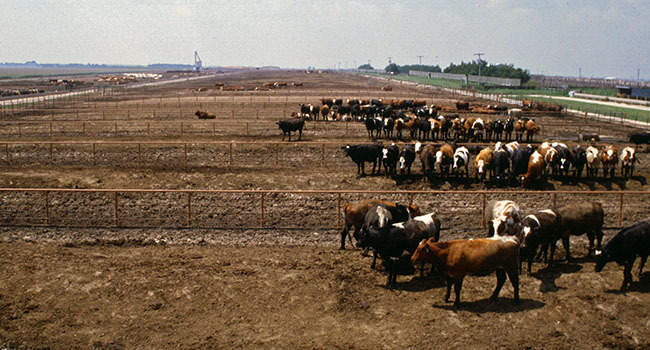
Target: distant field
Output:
[{"x": 22, "y": 72}]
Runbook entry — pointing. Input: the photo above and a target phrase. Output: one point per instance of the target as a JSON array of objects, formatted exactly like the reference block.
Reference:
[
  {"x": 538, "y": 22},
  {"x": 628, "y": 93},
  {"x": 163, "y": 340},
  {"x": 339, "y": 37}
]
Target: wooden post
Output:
[
  {"x": 94, "y": 154},
  {"x": 181, "y": 128},
  {"x": 7, "y": 152},
  {"x": 276, "y": 154},
  {"x": 50, "y": 153},
  {"x": 189, "y": 209},
  {"x": 139, "y": 155},
  {"x": 262, "y": 210},
  {"x": 84, "y": 128},
  {"x": 115, "y": 211},
  {"x": 47, "y": 208},
  {"x": 214, "y": 129},
  {"x": 322, "y": 154},
  {"x": 185, "y": 159},
  {"x": 554, "y": 200},
  {"x": 246, "y": 129},
  {"x": 148, "y": 129},
  {"x": 50, "y": 129},
  {"x": 116, "y": 128},
  {"x": 19, "y": 131},
  {"x": 230, "y": 153}
]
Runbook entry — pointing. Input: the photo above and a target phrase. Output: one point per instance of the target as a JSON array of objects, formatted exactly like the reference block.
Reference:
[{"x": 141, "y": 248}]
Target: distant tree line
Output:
[{"x": 470, "y": 68}]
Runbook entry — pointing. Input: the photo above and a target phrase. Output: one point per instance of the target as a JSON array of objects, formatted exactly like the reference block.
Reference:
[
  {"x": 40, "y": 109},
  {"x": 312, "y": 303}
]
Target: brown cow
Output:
[
  {"x": 204, "y": 115},
  {"x": 531, "y": 130},
  {"x": 462, "y": 105},
  {"x": 520, "y": 128},
  {"x": 387, "y": 88},
  {"x": 609, "y": 158},
  {"x": 483, "y": 162},
  {"x": 444, "y": 158},
  {"x": 459, "y": 258},
  {"x": 628, "y": 158},
  {"x": 354, "y": 214},
  {"x": 536, "y": 166}
]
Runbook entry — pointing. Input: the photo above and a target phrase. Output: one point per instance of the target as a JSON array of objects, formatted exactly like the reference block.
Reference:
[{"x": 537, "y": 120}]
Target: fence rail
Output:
[{"x": 45, "y": 205}]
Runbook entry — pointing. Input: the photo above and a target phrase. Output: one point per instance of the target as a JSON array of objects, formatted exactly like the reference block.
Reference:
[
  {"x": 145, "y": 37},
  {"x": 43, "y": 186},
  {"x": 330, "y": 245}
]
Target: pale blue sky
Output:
[{"x": 602, "y": 37}]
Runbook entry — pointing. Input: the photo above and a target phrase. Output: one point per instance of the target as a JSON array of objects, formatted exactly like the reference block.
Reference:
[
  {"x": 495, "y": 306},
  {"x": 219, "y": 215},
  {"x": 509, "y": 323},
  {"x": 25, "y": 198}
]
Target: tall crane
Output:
[{"x": 198, "y": 64}]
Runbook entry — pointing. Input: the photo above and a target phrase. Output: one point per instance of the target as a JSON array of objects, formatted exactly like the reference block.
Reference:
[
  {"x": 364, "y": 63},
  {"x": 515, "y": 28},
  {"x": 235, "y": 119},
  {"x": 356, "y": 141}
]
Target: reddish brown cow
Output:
[
  {"x": 536, "y": 167},
  {"x": 609, "y": 158},
  {"x": 459, "y": 258},
  {"x": 628, "y": 158},
  {"x": 483, "y": 163},
  {"x": 531, "y": 130},
  {"x": 205, "y": 115}
]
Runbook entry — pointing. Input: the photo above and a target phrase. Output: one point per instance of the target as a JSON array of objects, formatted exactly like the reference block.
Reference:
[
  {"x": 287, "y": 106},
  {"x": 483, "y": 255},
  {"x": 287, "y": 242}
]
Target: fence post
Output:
[
  {"x": 139, "y": 155},
  {"x": 185, "y": 158},
  {"x": 7, "y": 152},
  {"x": 47, "y": 208},
  {"x": 230, "y": 153},
  {"x": 554, "y": 200},
  {"x": 276, "y": 154},
  {"x": 189, "y": 209},
  {"x": 115, "y": 212},
  {"x": 50, "y": 153},
  {"x": 262, "y": 210},
  {"x": 94, "y": 162}
]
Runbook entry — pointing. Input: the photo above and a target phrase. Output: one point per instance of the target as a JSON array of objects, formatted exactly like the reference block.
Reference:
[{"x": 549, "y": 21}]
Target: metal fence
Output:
[
  {"x": 465, "y": 78},
  {"x": 303, "y": 209}
]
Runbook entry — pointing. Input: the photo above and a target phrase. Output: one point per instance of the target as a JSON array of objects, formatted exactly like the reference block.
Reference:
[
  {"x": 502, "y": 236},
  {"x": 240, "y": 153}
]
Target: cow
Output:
[
  {"x": 444, "y": 158},
  {"x": 400, "y": 126},
  {"x": 390, "y": 156},
  {"x": 289, "y": 125},
  {"x": 624, "y": 248},
  {"x": 421, "y": 227},
  {"x": 205, "y": 115},
  {"x": 550, "y": 157},
  {"x": 581, "y": 218},
  {"x": 542, "y": 228},
  {"x": 374, "y": 127},
  {"x": 478, "y": 126},
  {"x": 628, "y": 158},
  {"x": 511, "y": 148},
  {"x": 483, "y": 163},
  {"x": 501, "y": 164},
  {"x": 501, "y": 217},
  {"x": 309, "y": 109},
  {"x": 406, "y": 158},
  {"x": 462, "y": 105},
  {"x": 423, "y": 128},
  {"x": 609, "y": 159},
  {"x": 515, "y": 113},
  {"x": 382, "y": 216},
  {"x": 461, "y": 160},
  {"x": 531, "y": 130},
  {"x": 520, "y": 161},
  {"x": 520, "y": 128},
  {"x": 497, "y": 129},
  {"x": 360, "y": 154},
  {"x": 641, "y": 138},
  {"x": 579, "y": 160},
  {"x": 459, "y": 258},
  {"x": 354, "y": 214},
  {"x": 508, "y": 128},
  {"x": 324, "y": 111},
  {"x": 564, "y": 158},
  {"x": 387, "y": 88},
  {"x": 389, "y": 125},
  {"x": 593, "y": 161},
  {"x": 445, "y": 126},
  {"x": 457, "y": 128},
  {"x": 427, "y": 158}
]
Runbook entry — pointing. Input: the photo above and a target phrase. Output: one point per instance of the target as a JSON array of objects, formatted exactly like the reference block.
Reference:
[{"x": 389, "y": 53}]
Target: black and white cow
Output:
[
  {"x": 406, "y": 159},
  {"x": 543, "y": 228},
  {"x": 461, "y": 160},
  {"x": 390, "y": 156}
]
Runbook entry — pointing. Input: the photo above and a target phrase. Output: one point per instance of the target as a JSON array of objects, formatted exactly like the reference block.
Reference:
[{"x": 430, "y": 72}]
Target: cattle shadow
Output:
[
  {"x": 418, "y": 284},
  {"x": 642, "y": 285},
  {"x": 548, "y": 275},
  {"x": 641, "y": 179},
  {"x": 500, "y": 306}
]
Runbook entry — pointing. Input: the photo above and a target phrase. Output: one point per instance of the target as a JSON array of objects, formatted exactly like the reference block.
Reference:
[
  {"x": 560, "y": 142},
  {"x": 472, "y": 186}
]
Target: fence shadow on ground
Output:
[{"x": 503, "y": 305}]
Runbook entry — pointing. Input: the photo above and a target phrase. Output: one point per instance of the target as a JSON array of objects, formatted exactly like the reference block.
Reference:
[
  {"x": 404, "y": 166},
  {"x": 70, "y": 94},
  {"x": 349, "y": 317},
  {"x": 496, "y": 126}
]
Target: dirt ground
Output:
[{"x": 225, "y": 283}]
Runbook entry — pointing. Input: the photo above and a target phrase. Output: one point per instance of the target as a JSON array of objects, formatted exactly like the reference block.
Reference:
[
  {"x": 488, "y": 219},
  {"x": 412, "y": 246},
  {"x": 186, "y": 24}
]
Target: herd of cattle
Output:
[
  {"x": 399, "y": 234},
  {"x": 391, "y": 118},
  {"x": 502, "y": 162}
]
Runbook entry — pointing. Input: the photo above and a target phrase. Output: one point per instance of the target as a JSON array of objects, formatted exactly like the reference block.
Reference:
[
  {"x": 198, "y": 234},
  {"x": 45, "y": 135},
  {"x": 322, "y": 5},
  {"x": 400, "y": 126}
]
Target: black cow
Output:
[
  {"x": 641, "y": 138},
  {"x": 423, "y": 128},
  {"x": 501, "y": 164},
  {"x": 289, "y": 125},
  {"x": 579, "y": 160},
  {"x": 390, "y": 156},
  {"x": 498, "y": 128},
  {"x": 624, "y": 247},
  {"x": 580, "y": 218},
  {"x": 508, "y": 128},
  {"x": 542, "y": 228},
  {"x": 565, "y": 158},
  {"x": 520, "y": 163},
  {"x": 382, "y": 216},
  {"x": 406, "y": 159},
  {"x": 355, "y": 112},
  {"x": 389, "y": 125},
  {"x": 365, "y": 153},
  {"x": 374, "y": 127}
]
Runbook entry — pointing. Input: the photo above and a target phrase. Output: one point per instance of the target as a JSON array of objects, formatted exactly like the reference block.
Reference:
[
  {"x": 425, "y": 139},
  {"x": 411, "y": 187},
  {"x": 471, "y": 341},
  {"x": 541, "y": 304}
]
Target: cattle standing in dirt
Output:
[
  {"x": 593, "y": 161},
  {"x": 501, "y": 217},
  {"x": 579, "y": 160},
  {"x": 374, "y": 127},
  {"x": 461, "y": 161},
  {"x": 508, "y": 128},
  {"x": 289, "y": 125},
  {"x": 354, "y": 214},
  {"x": 427, "y": 158},
  {"x": 501, "y": 164},
  {"x": 543, "y": 228},
  {"x": 459, "y": 258},
  {"x": 406, "y": 159},
  {"x": 361, "y": 154},
  {"x": 624, "y": 248},
  {"x": 628, "y": 158},
  {"x": 609, "y": 158},
  {"x": 390, "y": 156},
  {"x": 581, "y": 218},
  {"x": 483, "y": 163}
]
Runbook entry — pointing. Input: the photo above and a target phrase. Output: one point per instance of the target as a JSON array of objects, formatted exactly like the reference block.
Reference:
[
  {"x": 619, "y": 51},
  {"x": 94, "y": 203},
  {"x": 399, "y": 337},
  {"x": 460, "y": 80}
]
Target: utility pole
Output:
[
  {"x": 579, "y": 72},
  {"x": 479, "y": 54},
  {"x": 389, "y": 60},
  {"x": 420, "y": 57}
]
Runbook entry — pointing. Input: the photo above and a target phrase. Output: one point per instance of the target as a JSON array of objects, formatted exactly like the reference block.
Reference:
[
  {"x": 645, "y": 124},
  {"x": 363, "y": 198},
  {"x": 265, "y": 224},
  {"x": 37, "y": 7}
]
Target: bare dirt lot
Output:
[{"x": 225, "y": 283}]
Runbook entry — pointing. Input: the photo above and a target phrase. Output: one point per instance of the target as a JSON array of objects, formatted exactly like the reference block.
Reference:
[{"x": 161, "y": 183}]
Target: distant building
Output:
[{"x": 633, "y": 92}]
